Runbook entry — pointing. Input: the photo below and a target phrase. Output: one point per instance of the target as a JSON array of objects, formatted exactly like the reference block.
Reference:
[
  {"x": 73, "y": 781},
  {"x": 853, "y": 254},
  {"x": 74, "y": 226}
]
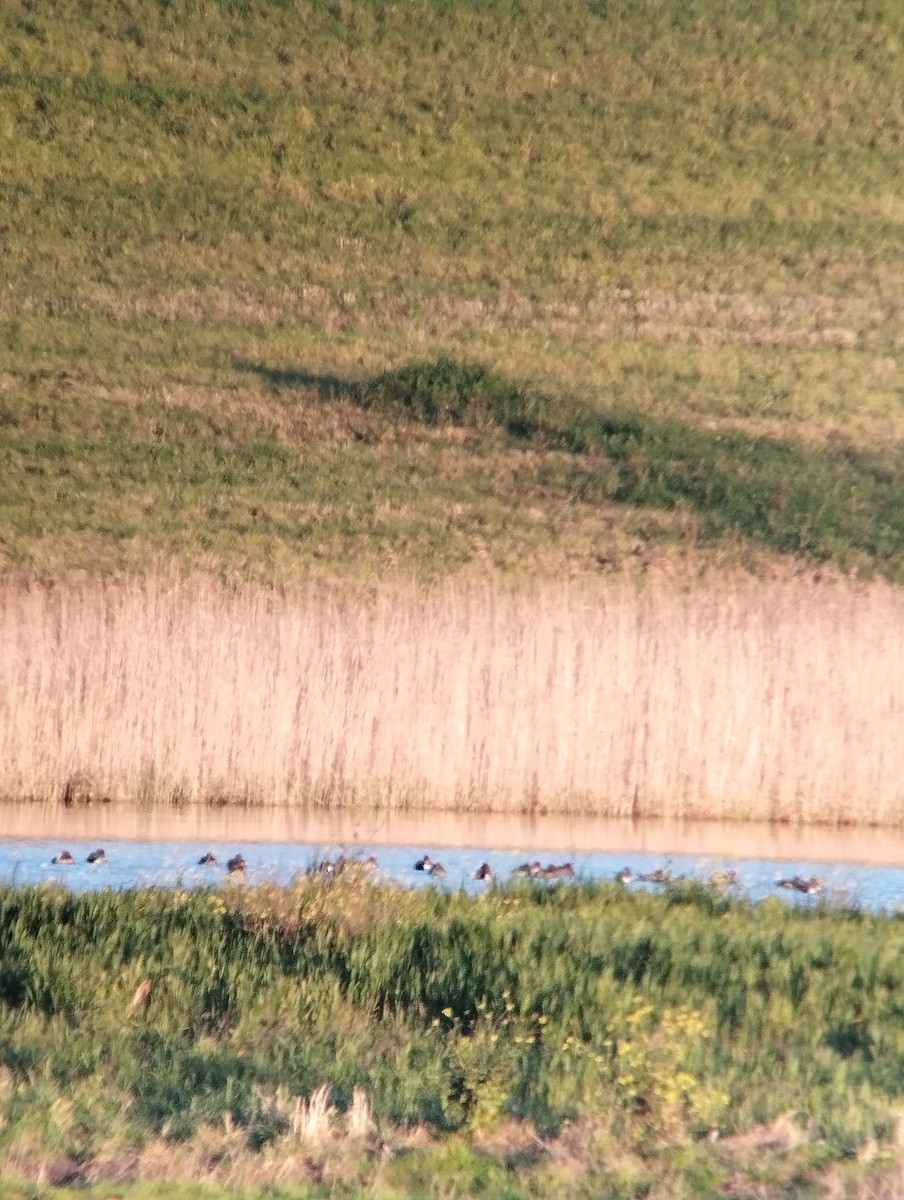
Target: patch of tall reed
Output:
[{"x": 780, "y": 700}]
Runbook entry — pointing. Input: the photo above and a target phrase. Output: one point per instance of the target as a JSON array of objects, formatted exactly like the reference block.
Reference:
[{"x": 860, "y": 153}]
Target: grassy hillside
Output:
[{"x": 679, "y": 226}]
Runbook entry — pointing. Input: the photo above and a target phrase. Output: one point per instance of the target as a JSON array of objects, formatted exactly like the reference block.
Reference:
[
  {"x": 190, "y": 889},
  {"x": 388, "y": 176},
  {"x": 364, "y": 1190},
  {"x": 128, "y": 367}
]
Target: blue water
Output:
[{"x": 170, "y": 863}]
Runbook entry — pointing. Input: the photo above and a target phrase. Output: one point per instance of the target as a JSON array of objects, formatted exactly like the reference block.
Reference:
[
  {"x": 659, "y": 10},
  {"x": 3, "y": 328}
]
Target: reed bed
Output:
[{"x": 768, "y": 700}]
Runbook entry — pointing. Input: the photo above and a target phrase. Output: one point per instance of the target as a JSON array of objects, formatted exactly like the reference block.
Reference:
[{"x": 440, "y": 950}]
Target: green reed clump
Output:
[
  {"x": 166, "y": 1013},
  {"x": 446, "y": 392}
]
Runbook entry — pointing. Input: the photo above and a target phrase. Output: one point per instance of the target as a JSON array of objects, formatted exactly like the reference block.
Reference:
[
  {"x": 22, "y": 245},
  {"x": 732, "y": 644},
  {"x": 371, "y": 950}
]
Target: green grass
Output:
[
  {"x": 671, "y": 212},
  {"x": 399, "y": 482},
  {"x": 825, "y": 503},
  {"x": 610, "y": 1023}
]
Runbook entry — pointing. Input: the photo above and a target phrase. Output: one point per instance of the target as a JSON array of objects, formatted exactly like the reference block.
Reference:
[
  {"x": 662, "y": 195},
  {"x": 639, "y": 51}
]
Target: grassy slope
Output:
[
  {"x": 217, "y": 218},
  {"x": 641, "y": 1020}
]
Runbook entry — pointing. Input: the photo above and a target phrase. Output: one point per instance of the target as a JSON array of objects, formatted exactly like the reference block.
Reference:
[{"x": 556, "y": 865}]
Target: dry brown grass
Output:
[
  {"x": 803, "y": 319},
  {"x": 780, "y": 700}
]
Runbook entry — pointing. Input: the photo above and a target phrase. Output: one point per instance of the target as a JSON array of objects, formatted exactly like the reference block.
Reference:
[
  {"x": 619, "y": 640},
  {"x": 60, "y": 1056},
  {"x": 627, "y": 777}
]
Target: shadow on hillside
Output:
[
  {"x": 329, "y": 386},
  {"x": 838, "y": 503}
]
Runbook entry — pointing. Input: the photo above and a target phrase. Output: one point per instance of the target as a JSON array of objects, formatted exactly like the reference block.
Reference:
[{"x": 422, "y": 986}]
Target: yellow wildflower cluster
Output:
[
  {"x": 482, "y": 1049},
  {"x": 650, "y": 1068}
]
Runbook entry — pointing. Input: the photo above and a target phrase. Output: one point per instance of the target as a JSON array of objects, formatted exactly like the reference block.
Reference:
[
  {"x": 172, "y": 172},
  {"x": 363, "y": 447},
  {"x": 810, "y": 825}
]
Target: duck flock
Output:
[
  {"x": 332, "y": 868},
  {"x": 66, "y": 858}
]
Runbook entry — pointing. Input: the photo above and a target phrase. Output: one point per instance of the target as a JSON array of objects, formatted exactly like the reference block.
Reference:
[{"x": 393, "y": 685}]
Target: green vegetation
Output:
[
  {"x": 255, "y": 501},
  {"x": 224, "y": 222},
  {"x": 795, "y": 499},
  {"x": 350, "y": 287},
  {"x": 592, "y": 1038}
]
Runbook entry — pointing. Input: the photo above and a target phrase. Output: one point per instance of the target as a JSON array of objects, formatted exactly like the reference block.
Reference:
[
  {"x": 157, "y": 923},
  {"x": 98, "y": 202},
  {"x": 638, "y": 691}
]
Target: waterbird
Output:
[
  {"x": 484, "y": 871},
  {"x": 625, "y": 875},
  {"x": 724, "y": 879},
  {"x": 63, "y": 859},
  {"x": 797, "y": 883},
  {"x": 564, "y": 870},
  {"x": 97, "y": 856},
  {"x": 427, "y": 864},
  {"x": 531, "y": 870},
  {"x": 330, "y": 868},
  {"x": 661, "y": 875},
  {"x": 207, "y": 860},
  {"x": 235, "y": 865}
]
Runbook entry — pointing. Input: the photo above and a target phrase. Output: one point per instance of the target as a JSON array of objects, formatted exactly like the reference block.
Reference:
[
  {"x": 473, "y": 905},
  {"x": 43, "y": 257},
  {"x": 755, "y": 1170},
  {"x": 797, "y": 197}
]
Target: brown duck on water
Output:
[
  {"x": 563, "y": 871},
  {"x": 797, "y": 883},
  {"x": 530, "y": 870},
  {"x": 661, "y": 875}
]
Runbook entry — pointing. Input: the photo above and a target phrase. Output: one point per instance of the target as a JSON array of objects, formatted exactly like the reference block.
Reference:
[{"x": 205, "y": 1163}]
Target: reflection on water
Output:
[
  {"x": 492, "y": 831},
  {"x": 163, "y": 847}
]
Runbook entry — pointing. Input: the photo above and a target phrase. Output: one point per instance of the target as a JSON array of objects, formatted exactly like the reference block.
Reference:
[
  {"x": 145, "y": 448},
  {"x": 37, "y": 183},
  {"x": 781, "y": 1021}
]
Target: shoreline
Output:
[{"x": 444, "y": 830}]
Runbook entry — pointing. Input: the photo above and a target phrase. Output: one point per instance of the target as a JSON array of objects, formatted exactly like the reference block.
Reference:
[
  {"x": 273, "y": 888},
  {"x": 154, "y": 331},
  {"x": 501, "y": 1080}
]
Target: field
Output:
[
  {"x": 357, "y": 1039},
  {"x": 452, "y": 404},
  {"x": 396, "y": 300},
  {"x": 652, "y": 253}
]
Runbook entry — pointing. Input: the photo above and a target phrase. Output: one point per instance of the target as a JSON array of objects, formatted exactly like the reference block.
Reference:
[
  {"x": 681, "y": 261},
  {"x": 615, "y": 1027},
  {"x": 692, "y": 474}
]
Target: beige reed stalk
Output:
[{"x": 754, "y": 699}]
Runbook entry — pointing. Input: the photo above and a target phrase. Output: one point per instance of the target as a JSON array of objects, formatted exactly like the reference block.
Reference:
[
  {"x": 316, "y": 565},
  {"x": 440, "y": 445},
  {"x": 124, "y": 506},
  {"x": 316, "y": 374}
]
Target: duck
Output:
[
  {"x": 235, "y": 865},
  {"x": 427, "y": 864},
  {"x": 724, "y": 879},
  {"x": 330, "y": 868},
  {"x": 484, "y": 871},
  {"x": 207, "y": 860},
  {"x": 97, "y": 856},
  {"x": 662, "y": 875},
  {"x": 625, "y": 875},
  {"x": 797, "y": 883},
  {"x": 63, "y": 859},
  {"x": 562, "y": 871},
  {"x": 531, "y": 870}
]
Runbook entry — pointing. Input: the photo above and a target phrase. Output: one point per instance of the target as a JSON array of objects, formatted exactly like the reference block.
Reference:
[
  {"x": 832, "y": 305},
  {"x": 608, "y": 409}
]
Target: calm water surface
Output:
[{"x": 162, "y": 847}]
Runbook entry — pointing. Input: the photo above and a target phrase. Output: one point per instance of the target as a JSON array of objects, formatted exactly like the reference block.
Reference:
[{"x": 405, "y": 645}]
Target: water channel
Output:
[{"x": 162, "y": 846}]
